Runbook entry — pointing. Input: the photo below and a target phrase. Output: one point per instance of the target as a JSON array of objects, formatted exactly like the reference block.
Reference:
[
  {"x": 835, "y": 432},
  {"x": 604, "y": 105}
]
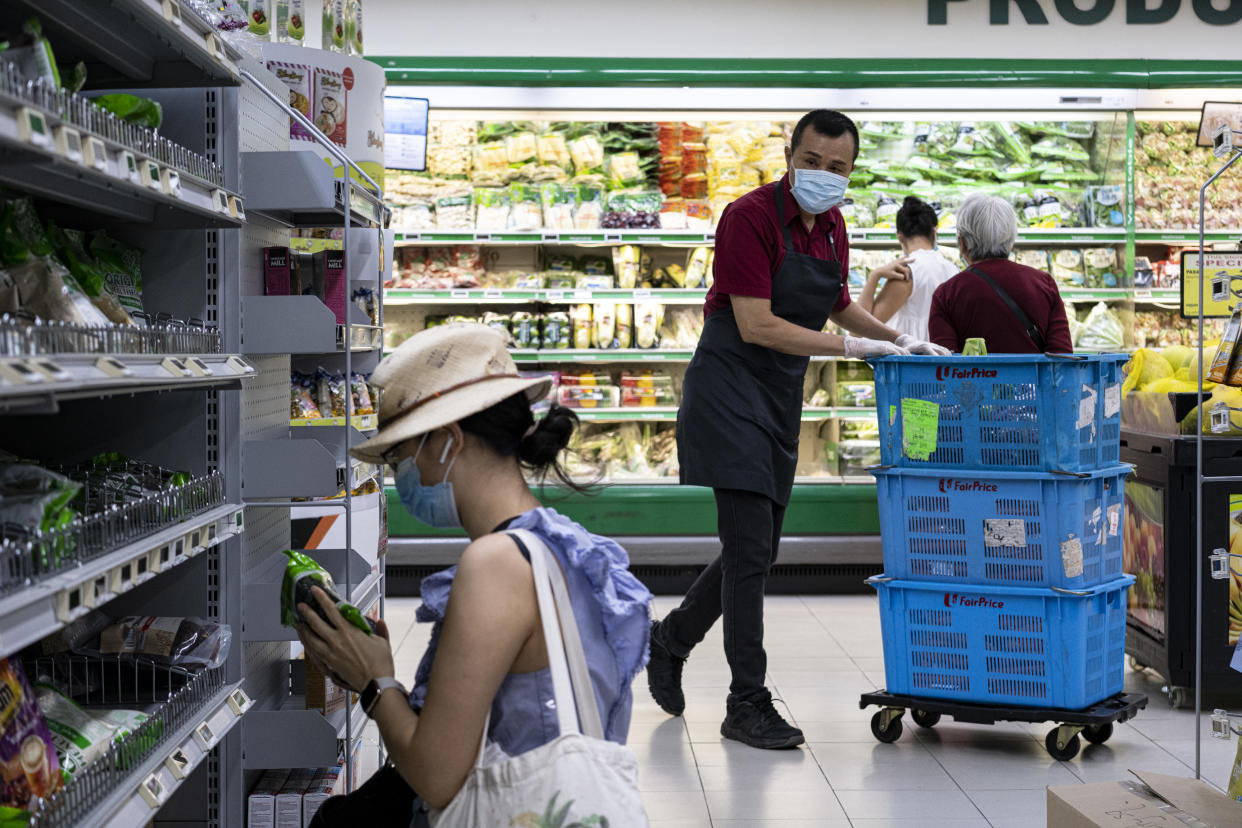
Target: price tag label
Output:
[
  {"x": 51, "y": 370},
  {"x": 204, "y": 736},
  {"x": 19, "y": 372},
  {"x": 178, "y": 764},
  {"x": 153, "y": 791},
  {"x": 493, "y": 293},
  {"x": 709, "y": 237},
  {"x": 1142, "y": 294},
  {"x": 113, "y": 367},
  {"x": 95, "y": 154},
  {"x": 239, "y": 702},
  {"x": 236, "y": 208},
  {"x": 214, "y": 45},
  {"x": 198, "y": 367},
  {"x": 129, "y": 167},
  {"x": 149, "y": 173},
  {"x": 642, "y": 293},
  {"x": 122, "y": 578},
  {"x": 69, "y": 143},
  {"x": 555, "y": 295},
  {"x": 32, "y": 128},
  {"x": 483, "y": 237},
  {"x": 238, "y": 365},
  {"x": 551, "y": 237},
  {"x": 175, "y": 367},
  {"x": 172, "y": 12},
  {"x": 459, "y": 294},
  {"x": 72, "y": 602},
  {"x": 171, "y": 179},
  {"x": 582, "y": 296},
  {"x": 857, "y": 235}
]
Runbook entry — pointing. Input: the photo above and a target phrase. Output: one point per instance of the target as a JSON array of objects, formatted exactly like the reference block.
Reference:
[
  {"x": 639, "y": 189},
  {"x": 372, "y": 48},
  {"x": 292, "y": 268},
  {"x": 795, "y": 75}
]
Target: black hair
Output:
[
  {"x": 916, "y": 218},
  {"x": 827, "y": 122},
  {"x": 509, "y": 428}
]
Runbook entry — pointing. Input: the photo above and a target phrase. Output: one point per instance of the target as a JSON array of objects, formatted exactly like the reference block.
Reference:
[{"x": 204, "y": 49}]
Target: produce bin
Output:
[
  {"x": 1159, "y": 543},
  {"x": 1007, "y": 412},
  {"x": 996, "y": 528},
  {"x": 1004, "y": 645}
]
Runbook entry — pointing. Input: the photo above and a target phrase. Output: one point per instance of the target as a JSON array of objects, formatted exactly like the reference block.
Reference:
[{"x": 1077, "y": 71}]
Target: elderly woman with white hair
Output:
[{"x": 1015, "y": 309}]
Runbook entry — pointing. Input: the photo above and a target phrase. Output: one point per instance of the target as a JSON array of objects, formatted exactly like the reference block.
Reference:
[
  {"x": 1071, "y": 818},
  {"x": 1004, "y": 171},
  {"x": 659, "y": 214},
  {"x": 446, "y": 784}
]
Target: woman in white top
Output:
[{"x": 904, "y": 303}]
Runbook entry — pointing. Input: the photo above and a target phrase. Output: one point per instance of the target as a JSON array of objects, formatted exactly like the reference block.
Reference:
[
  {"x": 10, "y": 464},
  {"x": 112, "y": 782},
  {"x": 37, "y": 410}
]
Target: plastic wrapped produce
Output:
[
  {"x": 633, "y": 210},
  {"x": 587, "y": 153},
  {"x": 697, "y": 265},
  {"x": 455, "y": 211},
  {"x": 604, "y": 315},
  {"x": 1101, "y": 267},
  {"x": 1101, "y": 331},
  {"x": 589, "y": 207},
  {"x": 583, "y": 326},
  {"x": 1067, "y": 268},
  {"x": 525, "y": 207},
  {"x": 626, "y": 263},
  {"x": 179, "y": 642},
  {"x": 81, "y": 736},
  {"x": 1107, "y": 206},
  {"x": 558, "y": 206},
  {"x": 491, "y": 209},
  {"x": 558, "y": 331},
  {"x": 1060, "y": 148},
  {"x": 648, "y": 320}
]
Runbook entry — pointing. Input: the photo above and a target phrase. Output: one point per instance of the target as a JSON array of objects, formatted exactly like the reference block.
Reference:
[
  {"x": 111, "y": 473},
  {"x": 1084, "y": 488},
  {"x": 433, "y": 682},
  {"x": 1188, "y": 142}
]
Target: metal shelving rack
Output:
[{"x": 1220, "y": 422}]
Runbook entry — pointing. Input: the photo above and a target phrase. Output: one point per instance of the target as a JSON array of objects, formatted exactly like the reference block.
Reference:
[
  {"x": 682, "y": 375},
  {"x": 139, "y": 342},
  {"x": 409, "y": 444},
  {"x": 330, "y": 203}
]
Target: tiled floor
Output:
[{"x": 823, "y": 651}]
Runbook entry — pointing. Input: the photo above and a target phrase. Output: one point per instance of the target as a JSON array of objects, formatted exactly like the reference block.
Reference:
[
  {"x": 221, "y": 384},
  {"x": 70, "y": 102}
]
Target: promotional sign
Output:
[
  {"x": 405, "y": 132},
  {"x": 1223, "y": 278}
]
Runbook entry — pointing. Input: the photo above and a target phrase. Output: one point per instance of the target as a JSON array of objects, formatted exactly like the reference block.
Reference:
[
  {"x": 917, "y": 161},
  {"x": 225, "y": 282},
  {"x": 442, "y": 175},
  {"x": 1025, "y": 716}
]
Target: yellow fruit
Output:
[{"x": 1176, "y": 355}]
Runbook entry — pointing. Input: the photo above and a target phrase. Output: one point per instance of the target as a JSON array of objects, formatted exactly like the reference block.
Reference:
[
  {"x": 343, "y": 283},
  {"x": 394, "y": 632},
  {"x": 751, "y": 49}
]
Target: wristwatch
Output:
[{"x": 375, "y": 688}]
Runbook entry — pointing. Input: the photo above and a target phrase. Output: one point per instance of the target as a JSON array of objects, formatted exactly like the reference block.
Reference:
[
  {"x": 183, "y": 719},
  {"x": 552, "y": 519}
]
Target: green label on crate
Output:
[{"x": 920, "y": 422}]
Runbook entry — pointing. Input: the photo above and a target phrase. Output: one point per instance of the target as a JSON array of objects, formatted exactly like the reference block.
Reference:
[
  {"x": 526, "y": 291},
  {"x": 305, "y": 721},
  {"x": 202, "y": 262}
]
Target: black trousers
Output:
[{"x": 732, "y": 587}]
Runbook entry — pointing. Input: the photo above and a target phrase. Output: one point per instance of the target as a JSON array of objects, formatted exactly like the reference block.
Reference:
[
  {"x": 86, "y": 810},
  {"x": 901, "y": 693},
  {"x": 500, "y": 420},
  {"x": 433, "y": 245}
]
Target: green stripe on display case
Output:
[
  {"x": 814, "y": 509},
  {"x": 978, "y": 73}
]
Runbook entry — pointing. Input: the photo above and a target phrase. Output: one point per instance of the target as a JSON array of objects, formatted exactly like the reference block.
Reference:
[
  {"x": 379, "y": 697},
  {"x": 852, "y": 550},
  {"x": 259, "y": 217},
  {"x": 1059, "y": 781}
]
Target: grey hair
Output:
[{"x": 987, "y": 226}]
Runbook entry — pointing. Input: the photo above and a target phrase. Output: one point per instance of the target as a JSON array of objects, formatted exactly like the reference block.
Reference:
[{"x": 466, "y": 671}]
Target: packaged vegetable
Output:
[
  {"x": 49, "y": 291},
  {"x": 583, "y": 327},
  {"x": 1037, "y": 259},
  {"x": 491, "y": 207},
  {"x": 1107, "y": 209},
  {"x": 587, "y": 154},
  {"x": 623, "y": 170},
  {"x": 81, "y": 736},
  {"x": 589, "y": 207},
  {"x": 1101, "y": 331},
  {"x": 525, "y": 207},
  {"x": 499, "y": 322},
  {"x": 1014, "y": 145},
  {"x": 1101, "y": 267},
  {"x": 856, "y": 393},
  {"x": 626, "y": 262},
  {"x": 301, "y": 574},
  {"x": 29, "y": 769},
  {"x": 696, "y": 267},
  {"x": 558, "y": 206},
  {"x": 521, "y": 148},
  {"x": 1060, "y": 148},
  {"x": 34, "y": 497},
  {"x": 605, "y": 317},
  {"x": 558, "y": 331},
  {"x": 525, "y": 329},
  {"x": 552, "y": 149},
  {"x": 648, "y": 320},
  {"x": 625, "y": 326},
  {"x": 1067, "y": 268},
  {"x": 121, "y": 265}
]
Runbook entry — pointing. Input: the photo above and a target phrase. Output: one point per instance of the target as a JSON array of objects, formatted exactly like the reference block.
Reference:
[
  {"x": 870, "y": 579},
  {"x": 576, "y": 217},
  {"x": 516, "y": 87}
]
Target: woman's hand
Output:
[
  {"x": 898, "y": 270},
  {"x": 341, "y": 648}
]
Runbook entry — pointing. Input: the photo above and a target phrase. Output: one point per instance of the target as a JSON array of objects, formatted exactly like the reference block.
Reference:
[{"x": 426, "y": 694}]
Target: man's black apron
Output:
[{"x": 741, "y": 409}]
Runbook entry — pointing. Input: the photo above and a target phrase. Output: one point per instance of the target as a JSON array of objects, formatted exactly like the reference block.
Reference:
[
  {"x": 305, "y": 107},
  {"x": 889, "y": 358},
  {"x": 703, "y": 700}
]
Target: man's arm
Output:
[
  {"x": 861, "y": 323},
  {"x": 759, "y": 326}
]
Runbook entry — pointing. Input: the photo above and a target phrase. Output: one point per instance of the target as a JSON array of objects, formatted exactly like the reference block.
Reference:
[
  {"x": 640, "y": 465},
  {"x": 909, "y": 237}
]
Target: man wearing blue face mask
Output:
[{"x": 781, "y": 257}]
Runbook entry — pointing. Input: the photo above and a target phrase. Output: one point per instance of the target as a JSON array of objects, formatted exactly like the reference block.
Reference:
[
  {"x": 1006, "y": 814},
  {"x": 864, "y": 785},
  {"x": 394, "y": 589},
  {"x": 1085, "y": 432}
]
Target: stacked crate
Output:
[{"x": 1001, "y": 504}]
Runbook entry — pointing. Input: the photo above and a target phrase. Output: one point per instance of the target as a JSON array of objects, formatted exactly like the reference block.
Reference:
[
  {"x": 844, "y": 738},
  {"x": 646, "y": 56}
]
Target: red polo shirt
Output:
[
  {"x": 750, "y": 246},
  {"x": 966, "y": 307}
]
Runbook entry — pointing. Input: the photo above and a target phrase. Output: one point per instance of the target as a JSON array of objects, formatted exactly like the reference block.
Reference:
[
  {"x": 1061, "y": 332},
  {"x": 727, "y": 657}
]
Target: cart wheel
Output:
[
  {"x": 1061, "y": 754},
  {"x": 1137, "y": 666},
  {"x": 891, "y": 734},
  {"x": 923, "y": 718},
  {"x": 1177, "y": 697},
  {"x": 1098, "y": 734}
]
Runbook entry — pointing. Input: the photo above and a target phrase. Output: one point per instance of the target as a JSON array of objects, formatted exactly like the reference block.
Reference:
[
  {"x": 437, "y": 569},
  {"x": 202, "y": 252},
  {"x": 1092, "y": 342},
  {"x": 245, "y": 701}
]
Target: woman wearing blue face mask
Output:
[
  {"x": 781, "y": 255},
  {"x": 456, "y": 425}
]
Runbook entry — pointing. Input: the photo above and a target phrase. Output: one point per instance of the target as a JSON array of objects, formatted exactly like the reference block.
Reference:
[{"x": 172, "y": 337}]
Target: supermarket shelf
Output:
[
  {"x": 1154, "y": 296},
  {"x": 38, "y": 384},
  {"x": 288, "y": 468},
  {"x": 294, "y": 736},
  {"x": 668, "y": 414},
  {"x": 1188, "y": 236},
  {"x": 589, "y": 355},
  {"x": 261, "y": 598},
  {"x": 300, "y": 189},
  {"x": 861, "y": 235},
  {"x": 567, "y": 237},
  {"x": 156, "y": 42},
  {"x": 361, "y": 422},
  {"x": 301, "y": 325},
  {"x": 41, "y": 608},
  {"x": 41, "y": 170},
  {"x": 520, "y": 296},
  {"x": 186, "y": 747}
]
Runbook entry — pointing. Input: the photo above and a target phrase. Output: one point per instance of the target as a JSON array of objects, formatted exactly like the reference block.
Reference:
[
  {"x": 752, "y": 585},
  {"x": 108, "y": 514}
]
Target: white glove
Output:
[
  {"x": 917, "y": 346},
  {"x": 858, "y": 348}
]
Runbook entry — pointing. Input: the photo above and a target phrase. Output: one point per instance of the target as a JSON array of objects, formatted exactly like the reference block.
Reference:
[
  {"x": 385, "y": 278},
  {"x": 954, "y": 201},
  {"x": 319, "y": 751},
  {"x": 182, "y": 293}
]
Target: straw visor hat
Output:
[{"x": 440, "y": 376}]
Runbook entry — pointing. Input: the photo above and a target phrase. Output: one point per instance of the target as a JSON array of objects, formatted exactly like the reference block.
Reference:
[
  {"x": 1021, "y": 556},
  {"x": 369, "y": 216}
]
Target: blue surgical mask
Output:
[
  {"x": 818, "y": 191},
  {"x": 432, "y": 505}
]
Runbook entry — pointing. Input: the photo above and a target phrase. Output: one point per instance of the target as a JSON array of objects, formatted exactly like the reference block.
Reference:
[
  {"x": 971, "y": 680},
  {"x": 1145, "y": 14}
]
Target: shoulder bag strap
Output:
[
  {"x": 571, "y": 677},
  {"x": 1032, "y": 330}
]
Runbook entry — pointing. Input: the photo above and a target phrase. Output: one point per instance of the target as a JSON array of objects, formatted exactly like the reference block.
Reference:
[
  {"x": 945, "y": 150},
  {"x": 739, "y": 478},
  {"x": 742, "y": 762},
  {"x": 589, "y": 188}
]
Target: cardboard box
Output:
[
  {"x": 1155, "y": 800},
  {"x": 261, "y": 804},
  {"x": 328, "y": 783},
  {"x": 289, "y": 800},
  {"x": 329, "y": 276},
  {"x": 322, "y": 693}
]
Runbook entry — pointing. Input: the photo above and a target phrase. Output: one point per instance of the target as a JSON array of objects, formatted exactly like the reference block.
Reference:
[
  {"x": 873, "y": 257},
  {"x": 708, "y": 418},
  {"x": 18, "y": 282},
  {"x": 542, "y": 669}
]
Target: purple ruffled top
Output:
[{"x": 612, "y": 609}]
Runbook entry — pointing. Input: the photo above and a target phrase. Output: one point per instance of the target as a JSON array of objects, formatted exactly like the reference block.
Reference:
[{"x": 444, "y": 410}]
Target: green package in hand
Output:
[
  {"x": 302, "y": 573},
  {"x": 975, "y": 347}
]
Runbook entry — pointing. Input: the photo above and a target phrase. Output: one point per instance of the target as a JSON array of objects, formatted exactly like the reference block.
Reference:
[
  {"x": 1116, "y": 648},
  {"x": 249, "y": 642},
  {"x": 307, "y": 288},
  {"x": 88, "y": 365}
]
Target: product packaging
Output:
[
  {"x": 322, "y": 693},
  {"x": 626, "y": 263},
  {"x": 301, "y": 574},
  {"x": 121, "y": 265},
  {"x": 353, "y": 27},
  {"x": 82, "y": 736},
  {"x": 182, "y": 642},
  {"x": 291, "y": 22},
  {"x": 330, "y": 281},
  {"x": 29, "y": 769},
  {"x": 289, "y": 800},
  {"x": 331, "y": 105},
  {"x": 276, "y": 271},
  {"x": 297, "y": 78},
  {"x": 328, "y": 782},
  {"x": 261, "y": 804},
  {"x": 333, "y": 39},
  {"x": 1222, "y": 364},
  {"x": 582, "y": 326}
]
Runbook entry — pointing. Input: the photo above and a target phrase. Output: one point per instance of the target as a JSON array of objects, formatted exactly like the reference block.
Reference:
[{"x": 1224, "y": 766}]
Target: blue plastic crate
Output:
[
  {"x": 1027, "y": 529},
  {"x": 1010, "y": 412},
  {"x": 1004, "y": 645}
]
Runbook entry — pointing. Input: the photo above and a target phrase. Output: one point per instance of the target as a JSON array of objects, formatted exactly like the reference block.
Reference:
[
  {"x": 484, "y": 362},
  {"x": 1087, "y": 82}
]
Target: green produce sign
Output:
[{"x": 1136, "y": 12}]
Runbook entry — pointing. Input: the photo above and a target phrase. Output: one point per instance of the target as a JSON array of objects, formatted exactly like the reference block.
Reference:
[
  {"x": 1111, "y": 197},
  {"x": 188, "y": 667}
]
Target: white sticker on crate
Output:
[
  {"x": 1009, "y": 532},
  {"x": 1071, "y": 557},
  {"x": 1114, "y": 519},
  {"x": 1112, "y": 400},
  {"x": 1086, "y": 407}
]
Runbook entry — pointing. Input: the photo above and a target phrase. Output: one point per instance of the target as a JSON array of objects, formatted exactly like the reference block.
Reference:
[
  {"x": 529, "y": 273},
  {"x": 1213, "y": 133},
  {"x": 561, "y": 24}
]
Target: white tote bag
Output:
[{"x": 579, "y": 780}]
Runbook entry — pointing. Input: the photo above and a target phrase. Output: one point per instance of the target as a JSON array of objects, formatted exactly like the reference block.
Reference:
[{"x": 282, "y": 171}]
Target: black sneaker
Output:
[
  {"x": 756, "y": 723},
  {"x": 664, "y": 675}
]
